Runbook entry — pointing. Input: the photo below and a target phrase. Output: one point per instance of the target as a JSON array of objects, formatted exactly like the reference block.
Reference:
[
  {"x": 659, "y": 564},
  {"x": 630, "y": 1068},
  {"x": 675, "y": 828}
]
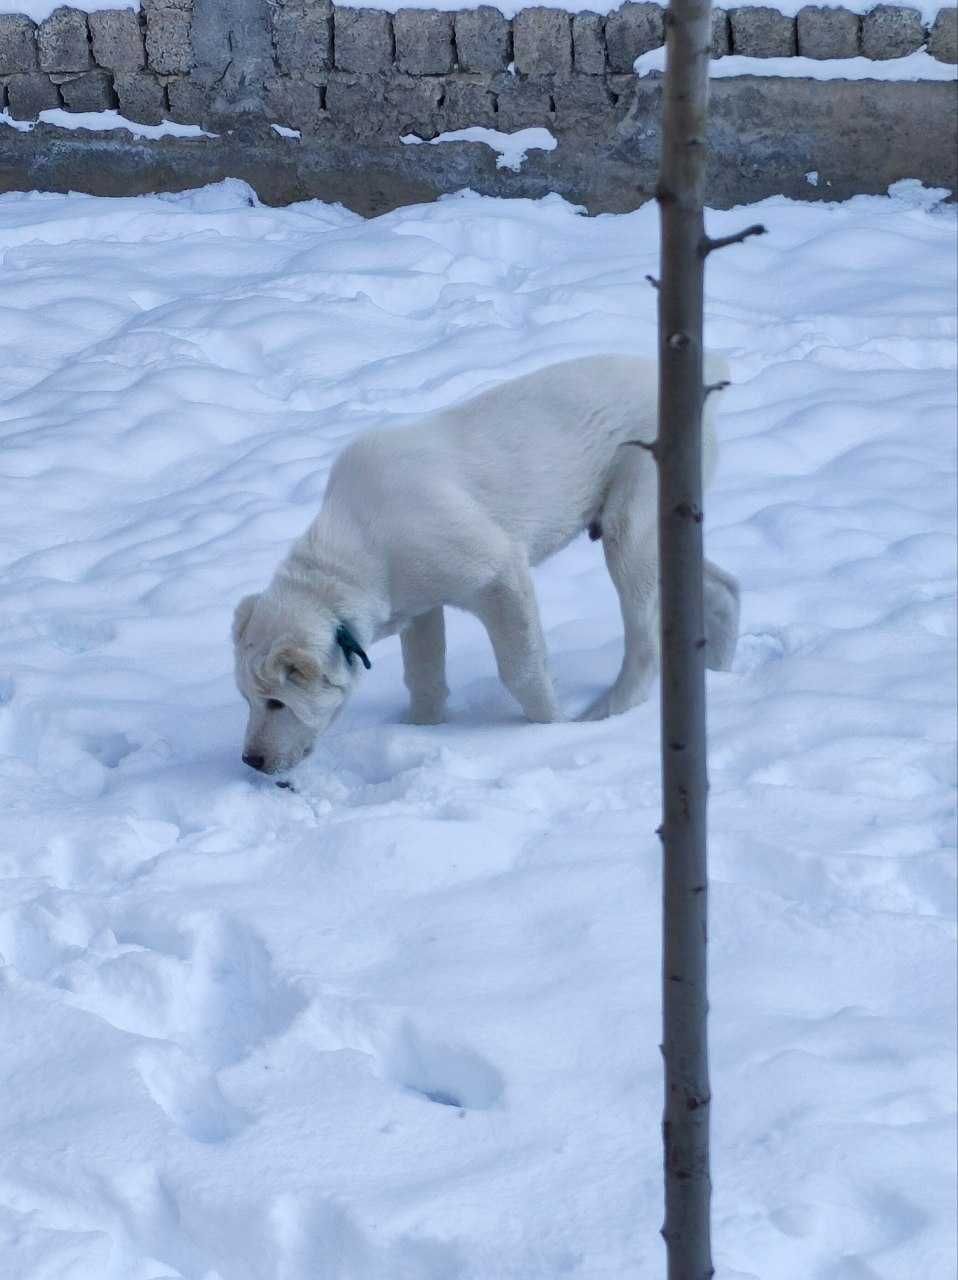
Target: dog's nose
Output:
[{"x": 254, "y": 762}]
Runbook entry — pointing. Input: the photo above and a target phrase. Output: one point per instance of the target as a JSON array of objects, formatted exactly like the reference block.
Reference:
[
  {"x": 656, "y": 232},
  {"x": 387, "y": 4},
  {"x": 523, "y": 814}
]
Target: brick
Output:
[
  {"x": 891, "y": 31},
  {"x": 468, "y": 103},
  {"x": 483, "y": 39},
  {"x": 189, "y": 100},
  {"x": 117, "y": 39},
  {"x": 542, "y": 42},
  {"x": 827, "y": 33},
  {"x": 943, "y": 38},
  {"x": 91, "y": 91},
  {"x": 622, "y": 90},
  {"x": 354, "y": 98},
  {"x": 362, "y": 40},
  {"x": 522, "y": 104},
  {"x": 303, "y": 38},
  {"x": 388, "y": 106},
  {"x": 581, "y": 103},
  {"x": 633, "y": 30},
  {"x": 29, "y": 94},
  {"x": 294, "y": 103},
  {"x": 141, "y": 96},
  {"x": 18, "y": 44},
  {"x": 424, "y": 44},
  {"x": 588, "y": 44},
  {"x": 169, "y": 48},
  {"x": 63, "y": 41},
  {"x": 762, "y": 33},
  {"x": 412, "y": 106},
  {"x": 721, "y": 34}
]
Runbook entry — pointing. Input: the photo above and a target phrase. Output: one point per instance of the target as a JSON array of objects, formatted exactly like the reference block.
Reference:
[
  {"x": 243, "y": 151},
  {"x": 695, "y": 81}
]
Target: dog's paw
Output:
[
  {"x": 597, "y": 710},
  {"x": 542, "y": 710},
  {"x": 614, "y": 702},
  {"x": 426, "y": 715}
]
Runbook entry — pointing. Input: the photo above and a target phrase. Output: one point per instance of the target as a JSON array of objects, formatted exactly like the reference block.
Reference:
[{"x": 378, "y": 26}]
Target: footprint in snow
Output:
[
  {"x": 189, "y": 1094},
  {"x": 210, "y": 988},
  {"x": 203, "y": 997},
  {"x": 110, "y": 748},
  {"x": 115, "y": 849},
  {"x": 758, "y": 650},
  {"x": 77, "y": 635},
  {"x": 313, "y": 1235},
  {"x": 448, "y": 1075}
]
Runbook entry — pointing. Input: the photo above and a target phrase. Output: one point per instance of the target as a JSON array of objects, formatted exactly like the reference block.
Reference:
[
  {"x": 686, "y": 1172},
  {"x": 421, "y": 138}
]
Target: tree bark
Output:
[{"x": 679, "y": 456}]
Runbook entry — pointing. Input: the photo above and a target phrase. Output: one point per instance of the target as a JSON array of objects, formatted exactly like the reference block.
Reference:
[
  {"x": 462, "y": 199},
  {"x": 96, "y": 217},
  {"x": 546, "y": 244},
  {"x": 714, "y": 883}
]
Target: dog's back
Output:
[{"x": 535, "y": 454}]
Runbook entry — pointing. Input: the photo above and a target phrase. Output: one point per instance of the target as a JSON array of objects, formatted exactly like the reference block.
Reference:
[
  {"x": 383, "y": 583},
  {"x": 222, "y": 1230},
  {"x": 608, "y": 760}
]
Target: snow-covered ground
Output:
[{"x": 403, "y": 1023}]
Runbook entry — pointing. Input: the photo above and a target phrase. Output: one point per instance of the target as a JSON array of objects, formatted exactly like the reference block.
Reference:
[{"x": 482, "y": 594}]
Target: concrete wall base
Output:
[{"x": 766, "y": 135}]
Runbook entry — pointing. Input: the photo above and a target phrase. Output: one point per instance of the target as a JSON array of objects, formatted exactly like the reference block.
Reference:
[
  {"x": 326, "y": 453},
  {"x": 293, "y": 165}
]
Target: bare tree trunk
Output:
[
  {"x": 678, "y": 451},
  {"x": 685, "y": 1128}
]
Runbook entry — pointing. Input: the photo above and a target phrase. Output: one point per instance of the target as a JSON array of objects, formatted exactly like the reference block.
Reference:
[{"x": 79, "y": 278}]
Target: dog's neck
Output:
[{"x": 330, "y": 566}]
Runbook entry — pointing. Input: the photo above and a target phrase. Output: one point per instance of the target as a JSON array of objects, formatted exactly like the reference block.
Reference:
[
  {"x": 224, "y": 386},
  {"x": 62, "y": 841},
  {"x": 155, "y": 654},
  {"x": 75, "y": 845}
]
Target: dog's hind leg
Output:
[
  {"x": 721, "y": 617},
  {"x": 424, "y": 665},
  {"x": 628, "y": 525},
  {"x": 507, "y": 608}
]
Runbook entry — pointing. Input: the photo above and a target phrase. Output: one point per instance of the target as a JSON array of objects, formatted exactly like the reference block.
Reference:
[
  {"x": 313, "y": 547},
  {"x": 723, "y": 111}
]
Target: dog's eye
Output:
[{"x": 274, "y": 704}]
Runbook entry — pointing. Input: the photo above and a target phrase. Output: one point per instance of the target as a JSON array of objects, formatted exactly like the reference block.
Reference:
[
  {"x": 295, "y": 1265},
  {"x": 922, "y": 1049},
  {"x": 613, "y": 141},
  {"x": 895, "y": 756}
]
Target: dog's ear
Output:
[
  {"x": 241, "y": 616},
  {"x": 289, "y": 661}
]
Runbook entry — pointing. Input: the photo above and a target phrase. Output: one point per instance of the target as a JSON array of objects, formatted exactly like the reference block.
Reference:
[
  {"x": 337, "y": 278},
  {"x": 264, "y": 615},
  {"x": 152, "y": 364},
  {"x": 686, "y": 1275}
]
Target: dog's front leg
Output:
[
  {"x": 424, "y": 665},
  {"x": 508, "y": 610}
]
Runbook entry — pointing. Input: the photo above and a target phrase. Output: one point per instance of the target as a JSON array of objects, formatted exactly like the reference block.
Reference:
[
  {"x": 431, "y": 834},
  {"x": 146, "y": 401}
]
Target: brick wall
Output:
[{"x": 367, "y": 73}]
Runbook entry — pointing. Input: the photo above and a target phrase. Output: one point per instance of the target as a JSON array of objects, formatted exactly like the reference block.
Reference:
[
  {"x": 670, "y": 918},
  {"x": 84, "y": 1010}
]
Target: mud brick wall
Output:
[
  {"x": 310, "y": 65},
  {"x": 354, "y": 81}
]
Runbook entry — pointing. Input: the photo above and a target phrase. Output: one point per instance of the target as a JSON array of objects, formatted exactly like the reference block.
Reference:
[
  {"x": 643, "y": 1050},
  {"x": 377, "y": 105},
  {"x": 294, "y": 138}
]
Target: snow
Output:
[
  {"x": 40, "y": 9},
  {"x": 285, "y": 131},
  {"x": 22, "y": 126},
  {"x": 919, "y": 65},
  {"x": 511, "y": 148},
  {"x": 104, "y": 120},
  {"x": 403, "y": 1024}
]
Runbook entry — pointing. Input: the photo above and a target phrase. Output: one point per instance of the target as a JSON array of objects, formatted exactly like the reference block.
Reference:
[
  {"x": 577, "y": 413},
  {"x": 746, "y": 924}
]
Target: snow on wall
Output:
[
  {"x": 40, "y": 9},
  {"x": 914, "y": 66}
]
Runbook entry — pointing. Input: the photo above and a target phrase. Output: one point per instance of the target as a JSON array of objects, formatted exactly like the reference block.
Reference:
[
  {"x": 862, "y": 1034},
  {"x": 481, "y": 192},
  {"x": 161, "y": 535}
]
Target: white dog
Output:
[{"x": 455, "y": 510}]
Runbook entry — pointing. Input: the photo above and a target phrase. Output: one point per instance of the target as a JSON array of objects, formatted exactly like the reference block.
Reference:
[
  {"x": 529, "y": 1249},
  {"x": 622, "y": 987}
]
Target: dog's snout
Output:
[{"x": 254, "y": 761}]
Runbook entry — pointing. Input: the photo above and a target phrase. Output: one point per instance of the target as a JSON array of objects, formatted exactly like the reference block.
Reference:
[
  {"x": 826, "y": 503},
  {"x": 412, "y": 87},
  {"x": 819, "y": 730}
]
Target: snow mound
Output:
[{"x": 403, "y": 1023}]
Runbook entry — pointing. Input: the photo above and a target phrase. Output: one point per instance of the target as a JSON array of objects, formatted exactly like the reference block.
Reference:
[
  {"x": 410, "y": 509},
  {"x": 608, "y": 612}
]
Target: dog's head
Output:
[{"x": 295, "y": 665}]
